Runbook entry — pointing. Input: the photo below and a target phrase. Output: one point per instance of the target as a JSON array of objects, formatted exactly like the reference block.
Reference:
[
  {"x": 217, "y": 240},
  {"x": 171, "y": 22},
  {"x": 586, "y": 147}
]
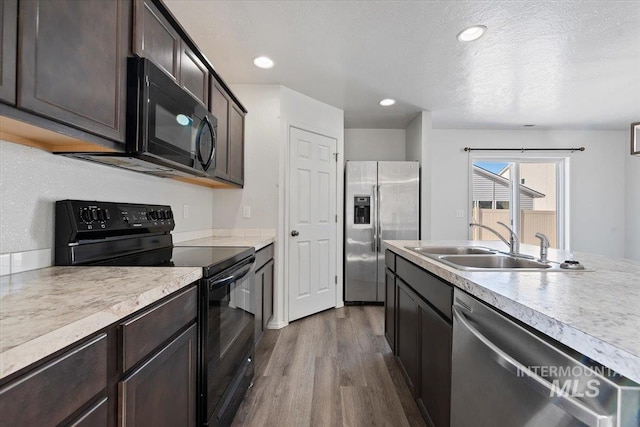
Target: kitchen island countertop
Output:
[{"x": 597, "y": 313}]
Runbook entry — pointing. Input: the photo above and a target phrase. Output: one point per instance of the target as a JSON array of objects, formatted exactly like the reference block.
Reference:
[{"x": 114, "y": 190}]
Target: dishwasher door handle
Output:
[{"x": 569, "y": 404}]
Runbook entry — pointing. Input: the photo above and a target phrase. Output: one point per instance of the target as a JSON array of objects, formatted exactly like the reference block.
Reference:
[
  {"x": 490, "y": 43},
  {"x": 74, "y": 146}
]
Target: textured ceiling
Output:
[{"x": 555, "y": 64}]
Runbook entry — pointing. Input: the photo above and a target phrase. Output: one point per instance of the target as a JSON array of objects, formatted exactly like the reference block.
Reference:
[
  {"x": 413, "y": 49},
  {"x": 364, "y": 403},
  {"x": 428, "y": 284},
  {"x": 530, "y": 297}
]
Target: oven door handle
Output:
[{"x": 237, "y": 275}]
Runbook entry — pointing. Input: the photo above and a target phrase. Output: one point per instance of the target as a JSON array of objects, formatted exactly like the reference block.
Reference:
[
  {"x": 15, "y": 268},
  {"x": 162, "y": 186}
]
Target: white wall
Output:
[
  {"x": 597, "y": 182},
  {"x": 632, "y": 206},
  {"x": 374, "y": 144},
  {"x": 31, "y": 180},
  {"x": 413, "y": 140},
  {"x": 261, "y": 157}
]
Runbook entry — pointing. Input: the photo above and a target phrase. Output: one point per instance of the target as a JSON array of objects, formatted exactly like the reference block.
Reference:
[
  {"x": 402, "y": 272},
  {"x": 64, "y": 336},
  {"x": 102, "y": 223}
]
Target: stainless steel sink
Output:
[
  {"x": 492, "y": 262},
  {"x": 451, "y": 250}
]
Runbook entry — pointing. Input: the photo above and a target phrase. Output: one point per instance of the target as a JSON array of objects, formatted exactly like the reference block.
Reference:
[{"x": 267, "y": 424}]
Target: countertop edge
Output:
[{"x": 607, "y": 354}]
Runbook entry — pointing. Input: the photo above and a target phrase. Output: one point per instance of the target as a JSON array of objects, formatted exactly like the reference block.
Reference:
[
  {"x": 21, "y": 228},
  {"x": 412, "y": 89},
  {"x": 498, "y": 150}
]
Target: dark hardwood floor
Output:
[{"x": 334, "y": 368}]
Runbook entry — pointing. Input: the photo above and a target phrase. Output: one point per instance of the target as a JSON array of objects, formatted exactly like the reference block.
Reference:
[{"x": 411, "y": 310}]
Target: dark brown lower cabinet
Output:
[
  {"x": 162, "y": 392},
  {"x": 95, "y": 416},
  {"x": 264, "y": 289},
  {"x": 390, "y": 309},
  {"x": 407, "y": 335},
  {"x": 420, "y": 305},
  {"x": 434, "y": 366},
  {"x": 55, "y": 391}
]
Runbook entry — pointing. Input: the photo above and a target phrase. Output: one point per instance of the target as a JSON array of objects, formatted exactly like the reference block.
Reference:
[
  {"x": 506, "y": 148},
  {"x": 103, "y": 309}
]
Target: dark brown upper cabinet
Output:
[
  {"x": 194, "y": 76},
  {"x": 155, "y": 39},
  {"x": 8, "y": 43},
  {"x": 73, "y": 64},
  {"x": 219, "y": 107},
  {"x": 235, "y": 159},
  {"x": 230, "y": 135}
]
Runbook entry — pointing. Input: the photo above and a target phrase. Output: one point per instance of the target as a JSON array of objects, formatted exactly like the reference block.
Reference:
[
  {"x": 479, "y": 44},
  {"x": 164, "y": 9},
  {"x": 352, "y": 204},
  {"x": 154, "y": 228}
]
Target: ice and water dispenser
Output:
[{"x": 362, "y": 210}]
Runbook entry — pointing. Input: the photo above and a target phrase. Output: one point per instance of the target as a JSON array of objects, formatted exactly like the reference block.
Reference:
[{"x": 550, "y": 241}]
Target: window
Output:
[{"x": 525, "y": 193}]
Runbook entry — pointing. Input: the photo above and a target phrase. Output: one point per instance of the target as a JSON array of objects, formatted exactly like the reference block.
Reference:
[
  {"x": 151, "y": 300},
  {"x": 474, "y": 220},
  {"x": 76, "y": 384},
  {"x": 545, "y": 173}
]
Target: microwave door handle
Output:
[{"x": 572, "y": 406}]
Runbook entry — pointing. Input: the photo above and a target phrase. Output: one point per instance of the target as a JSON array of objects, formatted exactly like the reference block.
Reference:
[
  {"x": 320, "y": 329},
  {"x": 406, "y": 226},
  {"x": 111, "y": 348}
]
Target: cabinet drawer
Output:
[
  {"x": 96, "y": 416},
  {"x": 55, "y": 391},
  {"x": 145, "y": 332},
  {"x": 263, "y": 256},
  {"x": 390, "y": 260},
  {"x": 438, "y": 293}
]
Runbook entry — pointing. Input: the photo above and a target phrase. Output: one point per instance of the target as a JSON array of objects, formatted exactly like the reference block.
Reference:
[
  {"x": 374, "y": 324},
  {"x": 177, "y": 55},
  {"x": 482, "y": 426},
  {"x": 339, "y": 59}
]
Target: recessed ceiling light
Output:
[
  {"x": 263, "y": 62},
  {"x": 387, "y": 102},
  {"x": 472, "y": 33},
  {"x": 528, "y": 126}
]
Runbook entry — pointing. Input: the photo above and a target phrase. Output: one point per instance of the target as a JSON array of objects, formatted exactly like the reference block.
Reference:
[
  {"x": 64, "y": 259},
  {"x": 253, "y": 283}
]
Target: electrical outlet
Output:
[
  {"x": 460, "y": 213},
  {"x": 185, "y": 211},
  {"x": 246, "y": 212}
]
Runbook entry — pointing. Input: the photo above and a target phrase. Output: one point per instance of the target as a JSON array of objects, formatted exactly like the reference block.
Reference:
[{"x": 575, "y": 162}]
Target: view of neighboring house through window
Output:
[{"x": 522, "y": 193}]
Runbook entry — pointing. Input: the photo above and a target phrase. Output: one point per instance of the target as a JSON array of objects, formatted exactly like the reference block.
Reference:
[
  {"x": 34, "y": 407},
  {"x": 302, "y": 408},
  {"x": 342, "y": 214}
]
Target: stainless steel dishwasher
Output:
[{"x": 506, "y": 375}]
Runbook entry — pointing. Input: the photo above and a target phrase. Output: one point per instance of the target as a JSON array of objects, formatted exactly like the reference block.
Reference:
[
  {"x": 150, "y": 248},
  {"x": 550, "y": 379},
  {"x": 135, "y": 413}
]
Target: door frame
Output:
[{"x": 286, "y": 199}]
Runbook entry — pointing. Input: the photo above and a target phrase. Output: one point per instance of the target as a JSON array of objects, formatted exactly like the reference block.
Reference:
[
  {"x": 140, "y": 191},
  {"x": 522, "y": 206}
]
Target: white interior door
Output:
[{"x": 312, "y": 223}]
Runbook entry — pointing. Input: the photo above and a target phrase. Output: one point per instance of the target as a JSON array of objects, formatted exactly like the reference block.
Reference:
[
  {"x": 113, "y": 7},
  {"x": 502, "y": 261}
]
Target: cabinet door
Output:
[
  {"x": 162, "y": 392},
  {"x": 155, "y": 39},
  {"x": 8, "y": 43},
  {"x": 235, "y": 168},
  {"x": 194, "y": 76},
  {"x": 220, "y": 109},
  {"x": 434, "y": 389},
  {"x": 73, "y": 62},
  {"x": 407, "y": 336},
  {"x": 390, "y": 309},
  {"x": 267, "y": 294},
  {"x": 96, "y": 416}
]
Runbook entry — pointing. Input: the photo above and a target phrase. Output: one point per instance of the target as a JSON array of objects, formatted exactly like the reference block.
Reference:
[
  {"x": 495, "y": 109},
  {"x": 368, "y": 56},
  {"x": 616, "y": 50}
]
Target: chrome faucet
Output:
[
  {"x": 544, "y": 246},
  {"x": 513, "y": 243}
]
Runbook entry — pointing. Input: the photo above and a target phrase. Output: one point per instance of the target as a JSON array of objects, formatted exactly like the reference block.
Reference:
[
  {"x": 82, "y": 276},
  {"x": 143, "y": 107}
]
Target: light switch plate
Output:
[
  {"x": 246, "y": 212},
  {"x": 185, "y": 211},
  {"x": 460, "y": 213}
]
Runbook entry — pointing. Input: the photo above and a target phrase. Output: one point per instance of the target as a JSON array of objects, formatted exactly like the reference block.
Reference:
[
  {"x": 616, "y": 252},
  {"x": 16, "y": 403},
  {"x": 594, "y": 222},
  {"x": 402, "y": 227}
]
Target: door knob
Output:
[{"x": 294, "y": 233}]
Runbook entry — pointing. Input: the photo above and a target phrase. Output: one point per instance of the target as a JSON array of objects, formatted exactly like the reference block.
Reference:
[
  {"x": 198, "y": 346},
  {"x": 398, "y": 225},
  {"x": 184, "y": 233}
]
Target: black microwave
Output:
[
  {"x": 168, "y": 132},
  {"x": 165, "y": 122}
]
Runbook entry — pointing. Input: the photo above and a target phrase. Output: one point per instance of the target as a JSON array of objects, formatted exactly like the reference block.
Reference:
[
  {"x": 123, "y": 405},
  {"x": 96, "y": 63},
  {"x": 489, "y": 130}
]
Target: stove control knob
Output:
[
  {"x": 85, "y": 215},
  {"x": 168, "y": 214},
  {"x": 153, "y": 215},
  {"x": 161, "y": 214},
  {"x": 100, "y": 214}
]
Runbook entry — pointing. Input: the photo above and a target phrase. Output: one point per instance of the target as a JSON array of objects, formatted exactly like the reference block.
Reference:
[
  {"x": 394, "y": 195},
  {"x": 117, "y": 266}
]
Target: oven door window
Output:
[{"x": 173, "y": 128}]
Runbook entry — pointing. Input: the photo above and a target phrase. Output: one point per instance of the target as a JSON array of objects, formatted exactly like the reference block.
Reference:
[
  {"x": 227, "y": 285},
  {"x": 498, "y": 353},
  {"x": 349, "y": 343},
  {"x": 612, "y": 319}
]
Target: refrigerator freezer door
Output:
[
  {"x": 360, "y": 245},
  {"x": 399, "y": 201}
]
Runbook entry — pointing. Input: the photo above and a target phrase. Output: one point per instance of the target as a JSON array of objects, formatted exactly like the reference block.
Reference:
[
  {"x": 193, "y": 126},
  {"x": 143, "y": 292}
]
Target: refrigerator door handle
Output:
[
  {"x": 378, "y": 225},
  {"x": 374, "y": 238}
]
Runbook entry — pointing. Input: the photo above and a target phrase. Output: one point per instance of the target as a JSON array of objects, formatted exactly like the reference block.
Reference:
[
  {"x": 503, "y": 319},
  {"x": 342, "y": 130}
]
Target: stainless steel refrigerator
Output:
[{"x": 382, "y": 203}]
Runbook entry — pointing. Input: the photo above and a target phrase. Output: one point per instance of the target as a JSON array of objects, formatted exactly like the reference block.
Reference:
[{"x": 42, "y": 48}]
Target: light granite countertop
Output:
[
  {"x": 597, "y": 313},
  {"x": 43, "y": 311},
  {"x": 257, "y": 242}
]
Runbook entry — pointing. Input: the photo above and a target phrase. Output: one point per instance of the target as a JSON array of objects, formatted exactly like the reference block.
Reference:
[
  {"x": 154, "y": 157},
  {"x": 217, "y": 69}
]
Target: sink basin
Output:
[
  {"x": 451, "y": 250},
  {"x": 492, "y": 262}
]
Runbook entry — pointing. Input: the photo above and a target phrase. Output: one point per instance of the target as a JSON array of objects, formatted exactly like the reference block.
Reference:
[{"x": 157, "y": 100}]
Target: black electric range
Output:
[{"x": 90, "y": 233}]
